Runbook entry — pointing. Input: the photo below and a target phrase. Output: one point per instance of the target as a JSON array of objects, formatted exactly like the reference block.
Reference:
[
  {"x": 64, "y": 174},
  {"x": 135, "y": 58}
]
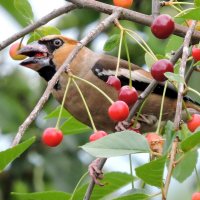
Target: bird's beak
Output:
[{"x": 38, "y": 56}]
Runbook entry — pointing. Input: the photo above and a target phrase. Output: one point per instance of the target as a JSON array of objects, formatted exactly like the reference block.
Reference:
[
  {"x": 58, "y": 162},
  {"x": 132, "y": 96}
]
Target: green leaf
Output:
[
  {"x": 118, "y": 144},
  {"x": 186, "y": 166},
  {"x": 174, "y": 77},
  {"x": 134, "y": 196},
  {"x": 149, "y": 60},
  {"x": 169, "y": 133},
  {"x": 197, "y": 3},
  {"x": 71, "y": 125},
  {"x": 191, "y": 142},
  {"x": 10, "y": 154},
  {"x": 174, "y": 43},
  {"x": 24, "y": 8},
  {"x": 152, "y": 172},
  {"x": 112, "y": 42},
  {"x": 192, "y": 14},
  {"x": 50, "y": 195},
  {"x": 43, "y": 31},
  {"x": 113, "y": 182}
]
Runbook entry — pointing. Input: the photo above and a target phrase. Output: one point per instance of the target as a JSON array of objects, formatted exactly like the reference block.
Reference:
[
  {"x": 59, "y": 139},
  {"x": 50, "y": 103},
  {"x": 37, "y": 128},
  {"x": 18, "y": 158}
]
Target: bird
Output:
[{"x": 46, "y": 56}]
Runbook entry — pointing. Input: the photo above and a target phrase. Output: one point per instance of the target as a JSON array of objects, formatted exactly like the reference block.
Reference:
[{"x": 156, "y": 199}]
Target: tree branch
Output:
[
  {"x": 132, "y": 16},
  {"x": 182, "y": 74},
  {"x": 40, "y": 22},
  {"x": 171, "y": 167},
  {"x": 104, "y": 24}
]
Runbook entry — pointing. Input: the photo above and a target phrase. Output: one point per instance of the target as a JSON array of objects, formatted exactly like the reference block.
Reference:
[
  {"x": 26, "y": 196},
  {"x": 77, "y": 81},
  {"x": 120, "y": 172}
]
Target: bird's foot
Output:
[
  {"x": 95, "y": 172},
  {"x": 123, "y": 125},
  {"x": 148, "y": 119}
]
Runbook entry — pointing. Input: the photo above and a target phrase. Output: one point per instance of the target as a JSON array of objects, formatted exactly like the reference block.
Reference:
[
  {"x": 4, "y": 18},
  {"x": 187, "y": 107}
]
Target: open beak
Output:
[{"x": 38, "y": 56}]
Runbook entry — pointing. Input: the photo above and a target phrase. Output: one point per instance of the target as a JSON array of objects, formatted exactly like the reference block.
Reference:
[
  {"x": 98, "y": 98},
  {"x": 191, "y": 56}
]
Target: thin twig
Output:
[
  {"x": 155, "y": 8},
  {"x": 171, "y": 167},
  {"x": 132, "y": 16},
  {"x": 185, "y": 55},
  {"x": 52, "y": 15},
  {"x": 104, "y": 24}
]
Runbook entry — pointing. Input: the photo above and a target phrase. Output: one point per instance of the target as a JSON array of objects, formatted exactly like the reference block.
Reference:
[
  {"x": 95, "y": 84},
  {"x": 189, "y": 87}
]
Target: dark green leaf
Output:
[
  {"x": 112, "y": 42},
  {"x": 197, "y": 3},
  {"x": 191, "y": 142},
  {"x": 55, "y": 113},
  {"x": 113, "y": 182},
  {"x": 50, "y": 195},
  {"x": 174, "y": 77},
  {"x": 192, "y": 14},
  {"x": 152, "y": 172},
  {"x": 43, "y": 31},
  {"x": 186, "y": 166},
  {"x": 118, "y": 144},
  {"x": 10, "y": 154},
  {"x": 24, "y": 8}
]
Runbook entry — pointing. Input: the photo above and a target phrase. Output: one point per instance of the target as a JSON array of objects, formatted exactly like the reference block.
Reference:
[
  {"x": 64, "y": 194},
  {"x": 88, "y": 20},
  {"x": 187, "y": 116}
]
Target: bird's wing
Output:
[{"x": 106, "y": 66}]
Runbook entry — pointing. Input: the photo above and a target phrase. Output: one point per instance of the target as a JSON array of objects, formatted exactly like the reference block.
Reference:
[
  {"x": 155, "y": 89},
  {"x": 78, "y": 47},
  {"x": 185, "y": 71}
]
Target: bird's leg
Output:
[
  {"x": 123, "y": 125},
  {"x": 95, "y": 172}
]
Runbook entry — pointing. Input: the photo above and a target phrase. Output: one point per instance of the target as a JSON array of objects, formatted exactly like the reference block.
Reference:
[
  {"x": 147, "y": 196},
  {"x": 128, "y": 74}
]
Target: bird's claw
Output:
[
  {"x": 95, "y": 172},
  {"x": 122, "y": 126}
]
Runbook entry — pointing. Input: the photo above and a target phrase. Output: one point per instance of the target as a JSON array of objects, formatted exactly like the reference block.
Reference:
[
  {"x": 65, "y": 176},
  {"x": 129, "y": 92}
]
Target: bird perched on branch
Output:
[{"x": 49, "y": 53}]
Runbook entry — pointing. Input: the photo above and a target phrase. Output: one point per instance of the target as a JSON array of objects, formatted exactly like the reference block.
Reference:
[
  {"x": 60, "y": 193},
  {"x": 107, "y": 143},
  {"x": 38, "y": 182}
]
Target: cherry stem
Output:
[
  {"x": 86, "y": 106},
  {"x": 138, "y": 113},
  {"x": 94, "y": 86},
  {"x": 183, "y": 12},
  {"x": 187, "y": 112},
  {"x": 131, "y": 170},
  {"x": 128, "y": 58},
  {"x": 119, "y": 51},
  {"x": 194, "y": 91},
  {"x": 77, "y": 185},
  {"x": 62, "y": 105},
  {"x": 161, "y": 108},
  {"x": 144, "y": 46}
]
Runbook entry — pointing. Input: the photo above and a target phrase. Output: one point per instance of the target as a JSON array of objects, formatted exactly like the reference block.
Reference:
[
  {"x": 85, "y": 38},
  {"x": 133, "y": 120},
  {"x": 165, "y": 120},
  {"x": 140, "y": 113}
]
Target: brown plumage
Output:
[{"x": 96, "y": 68}]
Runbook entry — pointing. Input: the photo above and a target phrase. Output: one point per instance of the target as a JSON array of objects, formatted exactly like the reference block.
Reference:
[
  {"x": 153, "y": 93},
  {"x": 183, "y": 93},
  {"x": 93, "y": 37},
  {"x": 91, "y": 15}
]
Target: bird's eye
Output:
[{"x": 57, "y": 43}]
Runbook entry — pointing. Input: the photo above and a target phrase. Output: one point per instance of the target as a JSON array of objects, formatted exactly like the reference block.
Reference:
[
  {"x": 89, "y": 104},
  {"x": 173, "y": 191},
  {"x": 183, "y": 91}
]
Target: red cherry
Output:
[
  {"x": 118, "y": 111},
  {"x": 196, "y": 196},
  {"x": 162, "y": 26},
  {"x": 13, "y": 51},
  {"x": 128, "y": 94},
  {"x": 194, "y": 122},
  {"x": 160, "y": 67},
  {"x": 97, "y": 135},
  {"x": 52, "y": 137},
  {"x": 114, "y": 82},
  {"x": 123, "y": 3},
  {"x": 196, "y": 53}
]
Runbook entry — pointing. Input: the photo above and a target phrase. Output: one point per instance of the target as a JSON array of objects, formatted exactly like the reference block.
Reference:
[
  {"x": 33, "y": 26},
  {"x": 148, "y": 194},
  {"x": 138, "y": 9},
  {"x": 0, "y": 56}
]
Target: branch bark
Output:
[
  {"x": 40, "y": 22},
  {"x": 104, "y": 24},
  {"x": 132, "y": 16},
  {"x": 185, "y": 55}
]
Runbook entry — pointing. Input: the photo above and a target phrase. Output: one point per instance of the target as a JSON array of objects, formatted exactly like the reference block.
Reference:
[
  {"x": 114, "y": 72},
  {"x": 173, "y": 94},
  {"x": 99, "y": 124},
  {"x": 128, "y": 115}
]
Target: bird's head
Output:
[{"x": 47, "y": 54}]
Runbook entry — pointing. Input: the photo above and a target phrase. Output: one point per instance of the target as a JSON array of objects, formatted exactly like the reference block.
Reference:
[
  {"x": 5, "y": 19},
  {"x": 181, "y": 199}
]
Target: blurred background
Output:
[{"x": 21, "y": 88}]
